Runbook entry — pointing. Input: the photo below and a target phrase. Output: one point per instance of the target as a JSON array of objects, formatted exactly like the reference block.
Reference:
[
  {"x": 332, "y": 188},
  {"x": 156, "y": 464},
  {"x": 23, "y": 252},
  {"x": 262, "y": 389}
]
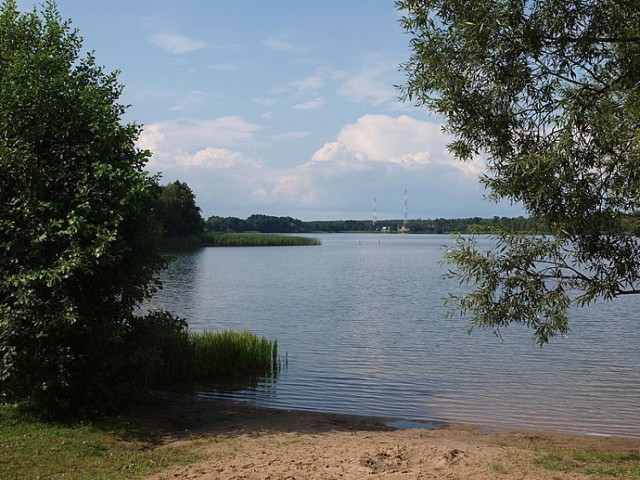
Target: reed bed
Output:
[
  {"x": 256, "y": 240},
  {"x": 189, "y": 357}
]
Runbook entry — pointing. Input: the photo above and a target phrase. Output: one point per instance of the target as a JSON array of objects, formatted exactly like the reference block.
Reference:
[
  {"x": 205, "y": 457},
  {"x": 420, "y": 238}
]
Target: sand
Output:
[{"x": 241, "y": 441}]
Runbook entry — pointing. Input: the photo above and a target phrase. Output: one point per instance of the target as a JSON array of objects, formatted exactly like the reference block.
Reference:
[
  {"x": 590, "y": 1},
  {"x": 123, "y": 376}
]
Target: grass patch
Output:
[
  {"x": 497, "y": 468},
  {"x": 255, "y": 240},
  {"x": 188, "y": 358},
  {"x": 614, "y": 464},
  {"x": 230, "y": 352},
  {"x": 31, "y": 448}
]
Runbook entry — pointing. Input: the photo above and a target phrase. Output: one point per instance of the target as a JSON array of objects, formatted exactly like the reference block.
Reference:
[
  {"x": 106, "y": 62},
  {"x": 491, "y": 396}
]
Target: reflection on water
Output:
[
  {"x": 362, "y": 321},
  {"x": 239, "y": 386}
]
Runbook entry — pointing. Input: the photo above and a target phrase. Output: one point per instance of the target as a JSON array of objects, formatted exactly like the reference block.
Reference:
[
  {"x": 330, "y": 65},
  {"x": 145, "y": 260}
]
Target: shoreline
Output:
[
  {"x": 430, "y": 423},
  {"x": 241, "y": 440}
]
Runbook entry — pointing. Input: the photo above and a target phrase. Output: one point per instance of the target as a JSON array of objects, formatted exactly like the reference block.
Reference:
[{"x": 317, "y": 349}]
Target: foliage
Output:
[
  {"x": 269, "y": 224},
  {"x": 549, "y": 92},
  {"x": 254, "y": 223},
  {"x": 77, "y": 240},
  {"x": 177, "y": 211},
  {"x": 31, "y": 448},
  {"x": 255, "y": 240}
]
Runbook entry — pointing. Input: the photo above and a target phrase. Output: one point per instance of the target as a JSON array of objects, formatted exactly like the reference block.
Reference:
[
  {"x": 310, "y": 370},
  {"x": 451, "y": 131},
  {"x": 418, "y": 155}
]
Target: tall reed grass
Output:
[
  {"x": 255, "y": 240},
  {"x": 188, "y": 358}
]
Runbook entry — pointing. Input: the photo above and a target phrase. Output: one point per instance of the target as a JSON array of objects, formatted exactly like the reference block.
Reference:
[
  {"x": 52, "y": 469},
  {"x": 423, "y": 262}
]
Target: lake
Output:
[{"x": 362, "y": 322}]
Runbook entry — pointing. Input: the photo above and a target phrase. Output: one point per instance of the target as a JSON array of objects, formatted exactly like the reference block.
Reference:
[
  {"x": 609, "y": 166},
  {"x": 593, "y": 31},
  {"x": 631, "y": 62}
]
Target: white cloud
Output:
[
  {"x": 191, "y": 101},
  {"x": 309, "y": 86},
  {"x": 210, "y": 158},
  {"x": 177, "y": 43},
  {"x": 365, "y": 88},
  {"x": 310, "y": 105},
  {"x": 265, "y": 101},
  {"x": 196, "y": 143},
  {"x": 336, "y": 152},
  {"x": 188, "y": 133},
  {"x": 376, "y": 153},
  {"x": 373, "y": 84},
  {"x": 401, "y": 140},
  {"x": 385, "y": 138},
  {"x": 277, "y": 44}
]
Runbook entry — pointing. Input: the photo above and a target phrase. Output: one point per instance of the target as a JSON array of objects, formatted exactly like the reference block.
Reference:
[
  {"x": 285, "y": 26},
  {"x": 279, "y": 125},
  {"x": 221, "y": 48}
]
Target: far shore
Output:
[{"x": 242, "y": 441}]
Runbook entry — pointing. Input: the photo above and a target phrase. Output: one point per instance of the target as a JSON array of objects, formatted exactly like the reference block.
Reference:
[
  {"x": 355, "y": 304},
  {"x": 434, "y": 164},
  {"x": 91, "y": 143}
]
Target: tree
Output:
[
  {"x": 177, "y": 211},
  {"x": 76, "y": 239},
  {"x": 549, "y": 92}
]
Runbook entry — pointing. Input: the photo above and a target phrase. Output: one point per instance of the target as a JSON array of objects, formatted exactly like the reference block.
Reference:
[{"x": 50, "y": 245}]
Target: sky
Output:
[{"x": 280, "y": 107}]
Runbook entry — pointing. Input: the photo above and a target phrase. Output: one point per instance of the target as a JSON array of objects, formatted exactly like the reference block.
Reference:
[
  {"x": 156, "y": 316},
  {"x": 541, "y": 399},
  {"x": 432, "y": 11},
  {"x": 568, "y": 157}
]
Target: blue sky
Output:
[{"x": 280, "y": 107}]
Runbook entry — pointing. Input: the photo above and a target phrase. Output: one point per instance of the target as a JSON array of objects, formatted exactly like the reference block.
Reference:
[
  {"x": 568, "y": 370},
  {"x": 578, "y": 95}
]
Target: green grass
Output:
[
  {"x": 34, "y": 449},
  {"x": 497, "y": 468},
  {"x": 255, "y": 240},
  {"x": 229, "y": 352},
  {"x": 208, "y": 357},
  {"x": 612, "y": 464}
]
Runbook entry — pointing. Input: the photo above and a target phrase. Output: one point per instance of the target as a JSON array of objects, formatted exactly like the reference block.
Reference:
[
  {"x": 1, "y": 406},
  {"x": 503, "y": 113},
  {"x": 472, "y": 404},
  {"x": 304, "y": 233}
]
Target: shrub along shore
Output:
[
  {"x": 173, "y": 355},
  {"x": 189, "y": 358}
]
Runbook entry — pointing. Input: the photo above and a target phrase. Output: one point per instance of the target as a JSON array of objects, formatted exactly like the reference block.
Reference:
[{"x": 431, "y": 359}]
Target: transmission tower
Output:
[
  {"x": 375, "y": 212},
  {"x": 405, "y": 207}
]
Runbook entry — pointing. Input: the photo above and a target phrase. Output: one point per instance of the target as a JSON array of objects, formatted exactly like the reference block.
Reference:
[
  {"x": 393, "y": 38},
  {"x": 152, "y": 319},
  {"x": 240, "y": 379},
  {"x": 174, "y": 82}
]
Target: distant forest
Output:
[{"x": 270, "y": 224}]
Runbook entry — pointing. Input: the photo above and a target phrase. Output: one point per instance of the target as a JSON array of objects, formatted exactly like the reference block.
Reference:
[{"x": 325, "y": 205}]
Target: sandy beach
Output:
[{"x": 241, "y": 441}]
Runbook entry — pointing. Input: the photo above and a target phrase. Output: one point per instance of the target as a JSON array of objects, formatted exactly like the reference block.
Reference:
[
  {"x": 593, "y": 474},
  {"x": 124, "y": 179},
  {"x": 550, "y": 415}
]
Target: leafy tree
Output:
[
  {"x": 177, "y": 210},
  {"x": 76, "y": 239},
  {"x": 549, "y": 92}
]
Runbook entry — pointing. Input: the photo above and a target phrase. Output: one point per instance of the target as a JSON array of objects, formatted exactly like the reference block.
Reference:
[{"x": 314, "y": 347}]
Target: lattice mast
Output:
[
  {"x": 375, "y": 211},
  {"x": 405, "y": 208}
]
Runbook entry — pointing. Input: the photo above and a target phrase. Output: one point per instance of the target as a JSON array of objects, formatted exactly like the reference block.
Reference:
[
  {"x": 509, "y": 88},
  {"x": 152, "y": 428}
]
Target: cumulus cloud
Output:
[
  {"x": 336, "y": 152},
  {"x": 210, "y": 157},
  {"x": 369, "y": 155},
  {"x": 376, "y": 153},
  {"x": 176, "y": 43},
  {"x": 196, "y": 143},
  {"x": 189, "y": 133},
  {"x": 385, "y": 138},
  {"x": 401, "y": 140}
]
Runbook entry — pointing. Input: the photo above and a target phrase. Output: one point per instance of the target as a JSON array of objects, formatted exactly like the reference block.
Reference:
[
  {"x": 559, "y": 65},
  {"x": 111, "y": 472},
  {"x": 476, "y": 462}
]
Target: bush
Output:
[
  {"x": 170, "y": 355},
  {"x": 77, "y": 240}
]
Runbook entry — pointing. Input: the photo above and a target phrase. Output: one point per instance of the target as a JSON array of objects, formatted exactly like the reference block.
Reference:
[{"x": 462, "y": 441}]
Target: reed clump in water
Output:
[
  {"x": 190, "y": 357},
  {"x": 255, "y": 240}
]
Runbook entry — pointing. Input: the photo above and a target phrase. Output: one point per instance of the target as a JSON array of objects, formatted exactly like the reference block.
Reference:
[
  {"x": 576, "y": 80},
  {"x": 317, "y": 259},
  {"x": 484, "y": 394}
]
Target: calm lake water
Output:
[{"x": 362, "y": 321}]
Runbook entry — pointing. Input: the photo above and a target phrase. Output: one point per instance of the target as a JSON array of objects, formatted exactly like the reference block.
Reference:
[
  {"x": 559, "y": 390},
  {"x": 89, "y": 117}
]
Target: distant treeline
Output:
[
  {"x": 180, "y": 221},
  {"x": 270, "y": 224}
]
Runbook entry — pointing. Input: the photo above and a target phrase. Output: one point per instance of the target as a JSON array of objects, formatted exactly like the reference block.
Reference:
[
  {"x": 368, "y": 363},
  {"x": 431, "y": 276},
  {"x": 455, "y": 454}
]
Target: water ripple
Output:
[{"x": 364, "y": 328}]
